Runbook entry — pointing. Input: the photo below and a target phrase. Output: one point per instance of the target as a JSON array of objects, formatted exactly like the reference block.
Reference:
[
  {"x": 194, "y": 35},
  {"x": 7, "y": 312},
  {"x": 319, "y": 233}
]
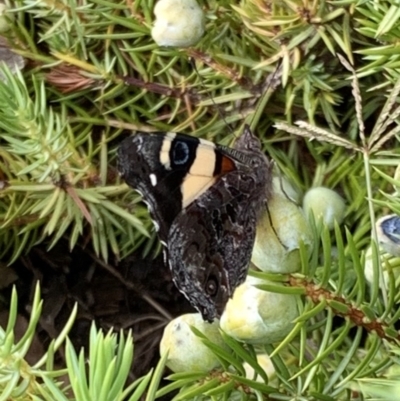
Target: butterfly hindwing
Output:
[{"x": 210, "y": 257}]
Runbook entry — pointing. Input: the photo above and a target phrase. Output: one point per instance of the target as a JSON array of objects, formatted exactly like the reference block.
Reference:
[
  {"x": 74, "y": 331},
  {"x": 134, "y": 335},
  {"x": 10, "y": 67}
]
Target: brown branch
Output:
[
  {"x": 162, "y": 89},
  {"x": 231, "y": 73},
  {"x": 356, "y": 315}
]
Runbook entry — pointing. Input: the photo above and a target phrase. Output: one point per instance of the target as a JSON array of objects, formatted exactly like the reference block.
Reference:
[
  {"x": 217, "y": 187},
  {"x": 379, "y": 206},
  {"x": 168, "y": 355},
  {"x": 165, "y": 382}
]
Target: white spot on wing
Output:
[{"x": 153, "y": 179}]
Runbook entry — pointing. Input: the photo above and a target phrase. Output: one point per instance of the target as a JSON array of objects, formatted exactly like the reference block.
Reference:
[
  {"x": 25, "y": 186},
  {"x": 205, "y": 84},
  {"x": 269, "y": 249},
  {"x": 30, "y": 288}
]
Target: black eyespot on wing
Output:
[
  {"x": 183, "y": 152},
  {"x": 180, "y": 153}
]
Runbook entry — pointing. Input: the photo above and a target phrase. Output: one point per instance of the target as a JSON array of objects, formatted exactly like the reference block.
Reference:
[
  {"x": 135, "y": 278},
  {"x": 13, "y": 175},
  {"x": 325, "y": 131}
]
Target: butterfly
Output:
[{"x": 205, "y": 200}]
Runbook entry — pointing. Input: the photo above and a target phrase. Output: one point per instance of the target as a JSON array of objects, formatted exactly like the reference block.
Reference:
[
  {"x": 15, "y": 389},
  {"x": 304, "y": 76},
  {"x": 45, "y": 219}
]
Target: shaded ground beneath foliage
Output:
[{"x": 133, "y": 294}]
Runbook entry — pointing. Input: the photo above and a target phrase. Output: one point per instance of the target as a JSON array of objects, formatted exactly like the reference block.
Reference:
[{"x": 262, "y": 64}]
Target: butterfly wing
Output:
[
  {"x": 210, "y": 242},
  {"x": 169, "y": 171},
  {"x": 209, "y": 248},
  {"x": 205, "y": 200}
]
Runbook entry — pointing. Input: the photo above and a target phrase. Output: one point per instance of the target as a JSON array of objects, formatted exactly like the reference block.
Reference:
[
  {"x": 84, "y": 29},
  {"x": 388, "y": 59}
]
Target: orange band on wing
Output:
[{"x": 227, "y": 165}]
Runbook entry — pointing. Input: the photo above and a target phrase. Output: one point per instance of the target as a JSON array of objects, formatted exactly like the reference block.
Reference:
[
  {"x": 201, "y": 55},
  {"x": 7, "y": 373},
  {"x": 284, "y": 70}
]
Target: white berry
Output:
[
  {"x": 5, "y": 21},
  {"x": 179, "y": 23},
  {"x": 325, "y": 204},
  {"x": 388, "y": 263},
  {"x": 277, "y": 245},
  {"x": 186, "y": 351},
  {"x": 259, "y": 317}
]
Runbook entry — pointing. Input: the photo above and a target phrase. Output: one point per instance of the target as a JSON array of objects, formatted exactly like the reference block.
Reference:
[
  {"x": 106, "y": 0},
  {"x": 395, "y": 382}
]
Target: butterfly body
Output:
[{"x": 205, "y": 200}]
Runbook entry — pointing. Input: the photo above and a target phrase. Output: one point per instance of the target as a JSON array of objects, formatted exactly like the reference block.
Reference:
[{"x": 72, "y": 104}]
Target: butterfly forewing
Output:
[{"x": 169, "y": 170}]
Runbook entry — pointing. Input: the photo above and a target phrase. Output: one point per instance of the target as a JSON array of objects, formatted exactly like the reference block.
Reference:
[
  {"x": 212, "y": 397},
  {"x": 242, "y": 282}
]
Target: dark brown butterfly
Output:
[{"x": 205, "y": 200}]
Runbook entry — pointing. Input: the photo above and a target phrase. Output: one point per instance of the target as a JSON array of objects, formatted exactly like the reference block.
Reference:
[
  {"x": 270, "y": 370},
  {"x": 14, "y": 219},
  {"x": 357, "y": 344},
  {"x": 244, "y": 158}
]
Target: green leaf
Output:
[{"x": 244, "y": 354}]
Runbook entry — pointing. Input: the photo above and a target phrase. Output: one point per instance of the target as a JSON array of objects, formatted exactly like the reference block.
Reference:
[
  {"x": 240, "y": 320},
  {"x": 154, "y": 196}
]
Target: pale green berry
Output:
[
  {"x": 179, "y": 23},
  {"x": 258, "y": 317},
  {"x": 388, "y": 263},
  {"x": 282, "y": 186},
  {"x": 325, "y": 204},
  {"x": 280, "y": 231},
  {"x": 186, "y": 352},
  {"x": 266, "y": 364},
  {"x": 4, "y": 21}
]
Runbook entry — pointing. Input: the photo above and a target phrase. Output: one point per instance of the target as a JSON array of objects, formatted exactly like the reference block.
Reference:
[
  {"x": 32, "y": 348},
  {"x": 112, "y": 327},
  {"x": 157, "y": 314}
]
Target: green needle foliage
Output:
[
  {"x": 93, "y": 75},
  {"x": 110, "y": 359}
]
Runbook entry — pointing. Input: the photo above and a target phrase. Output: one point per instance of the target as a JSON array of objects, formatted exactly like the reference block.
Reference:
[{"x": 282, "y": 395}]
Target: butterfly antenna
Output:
[{"x": 193, "y": 63}]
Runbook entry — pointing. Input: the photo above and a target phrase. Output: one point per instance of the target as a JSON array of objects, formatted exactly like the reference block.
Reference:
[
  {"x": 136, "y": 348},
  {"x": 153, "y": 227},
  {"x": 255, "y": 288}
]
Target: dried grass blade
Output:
[
  {"x": 385, "y": 118},
  {"x": 357, "y": 97},
  {"x": 309, "y": 131}
]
